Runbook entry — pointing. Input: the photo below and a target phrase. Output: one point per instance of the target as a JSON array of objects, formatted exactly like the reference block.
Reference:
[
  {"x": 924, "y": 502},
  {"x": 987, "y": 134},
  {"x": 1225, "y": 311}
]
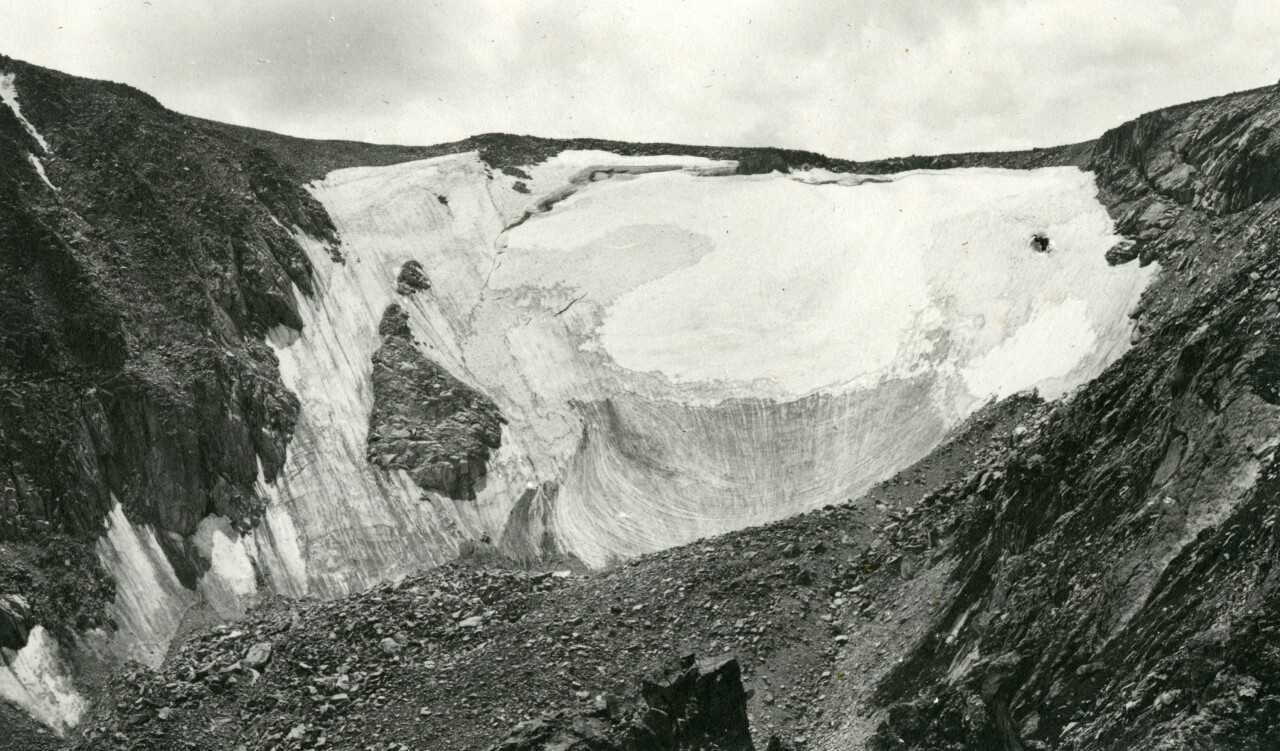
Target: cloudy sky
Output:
[{"x": 856, "y": 78}]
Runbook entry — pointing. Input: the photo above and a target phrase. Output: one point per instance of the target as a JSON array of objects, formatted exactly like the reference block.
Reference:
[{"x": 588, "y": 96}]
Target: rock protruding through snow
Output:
[
  {"x": 425, "y": 421},
  {"x": 412, "y": 279}
]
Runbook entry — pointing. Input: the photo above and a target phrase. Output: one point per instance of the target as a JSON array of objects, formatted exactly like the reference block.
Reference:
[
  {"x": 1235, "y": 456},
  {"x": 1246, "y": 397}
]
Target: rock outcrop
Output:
[
  {"x": 16, "y": 621},
  {"x": 424, "y": 420},
  {"x": 142, "y": 262},
  {"x": 1116, "y": 573},
  {"x": 412, "y": 279},
  {"x": 688, "y": 707}
]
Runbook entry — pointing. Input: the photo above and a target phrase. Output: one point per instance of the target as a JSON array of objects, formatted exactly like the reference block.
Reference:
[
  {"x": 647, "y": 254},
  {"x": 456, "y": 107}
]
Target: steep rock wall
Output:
[
  {"x": 1115, "y": 578},
  {"x": 142, "y": 259}
]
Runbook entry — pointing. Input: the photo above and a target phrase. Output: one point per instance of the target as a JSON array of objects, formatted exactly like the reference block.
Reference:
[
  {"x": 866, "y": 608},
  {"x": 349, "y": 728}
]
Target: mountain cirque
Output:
[{"x": 193, "y": 379}]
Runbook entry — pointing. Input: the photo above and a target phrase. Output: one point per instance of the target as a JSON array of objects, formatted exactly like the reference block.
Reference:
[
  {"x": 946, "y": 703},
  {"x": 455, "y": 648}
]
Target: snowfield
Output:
[{"x": 679, "y": 351}]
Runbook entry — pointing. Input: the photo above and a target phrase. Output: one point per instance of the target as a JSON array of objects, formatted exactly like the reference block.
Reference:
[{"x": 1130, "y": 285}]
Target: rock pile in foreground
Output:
[{"x": 690, "y": 705}]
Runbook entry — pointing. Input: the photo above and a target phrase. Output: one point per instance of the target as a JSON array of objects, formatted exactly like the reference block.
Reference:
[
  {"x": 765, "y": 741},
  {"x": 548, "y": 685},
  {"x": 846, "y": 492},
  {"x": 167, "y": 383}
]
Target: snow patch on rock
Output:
[
  {"x": 150, "y": 601},
  {"x": 36, "y": 679},
  {"x": 39, "y": 168},
  {"x": 9, "y": 95}
]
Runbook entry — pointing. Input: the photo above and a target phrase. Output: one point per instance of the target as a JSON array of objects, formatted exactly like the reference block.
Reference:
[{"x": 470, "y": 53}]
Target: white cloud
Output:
[{"x": 866, "y": 79}]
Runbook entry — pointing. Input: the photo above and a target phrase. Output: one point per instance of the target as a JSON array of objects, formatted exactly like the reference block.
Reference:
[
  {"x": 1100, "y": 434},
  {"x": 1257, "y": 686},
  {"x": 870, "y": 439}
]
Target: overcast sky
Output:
[{"x": 855, "y": 78}]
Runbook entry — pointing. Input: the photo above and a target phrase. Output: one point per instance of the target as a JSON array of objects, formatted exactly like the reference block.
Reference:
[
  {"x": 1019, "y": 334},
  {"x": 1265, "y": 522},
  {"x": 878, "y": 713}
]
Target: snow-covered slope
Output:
[{"x": 679, "y": 351}]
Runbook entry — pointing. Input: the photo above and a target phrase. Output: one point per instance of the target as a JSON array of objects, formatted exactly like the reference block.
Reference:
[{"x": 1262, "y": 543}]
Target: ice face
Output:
[
  {"x": 150, "y": 602},
  {"x": 678, "y": 351}
]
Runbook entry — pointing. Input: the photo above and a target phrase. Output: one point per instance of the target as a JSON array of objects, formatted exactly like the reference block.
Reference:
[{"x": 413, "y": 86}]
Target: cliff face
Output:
[
  {"x": 1117, "y": 575},
  {"x": 143, "y": 259}
]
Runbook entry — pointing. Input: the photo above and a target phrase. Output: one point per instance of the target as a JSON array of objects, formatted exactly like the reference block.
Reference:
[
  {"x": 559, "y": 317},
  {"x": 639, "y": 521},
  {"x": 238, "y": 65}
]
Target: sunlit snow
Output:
[
  {"x": 680, "y": 351},
  {"x": 9, "y": 95}
]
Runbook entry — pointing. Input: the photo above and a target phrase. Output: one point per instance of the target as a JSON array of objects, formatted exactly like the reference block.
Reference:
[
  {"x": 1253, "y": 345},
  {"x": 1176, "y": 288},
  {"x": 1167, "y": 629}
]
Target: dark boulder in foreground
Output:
[
  {"x": 15, "y": 621},
  {"x": 689, "y": 706}
]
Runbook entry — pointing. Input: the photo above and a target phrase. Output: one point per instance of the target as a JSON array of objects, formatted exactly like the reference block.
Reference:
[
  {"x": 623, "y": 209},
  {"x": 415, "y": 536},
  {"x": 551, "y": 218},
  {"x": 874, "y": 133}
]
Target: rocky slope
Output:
[
  {"x": 455, "y": 658},
  {"x": 1118, "y": 577},
  {"x": 1097, "y": 571},
  {"x": 142, "y": 262}
]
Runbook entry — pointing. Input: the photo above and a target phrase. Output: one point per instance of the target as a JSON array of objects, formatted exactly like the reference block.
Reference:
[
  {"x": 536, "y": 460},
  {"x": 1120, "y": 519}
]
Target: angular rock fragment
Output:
[
  {"x": 412, "y": 279},
  {"x": 689, "y": 705}
]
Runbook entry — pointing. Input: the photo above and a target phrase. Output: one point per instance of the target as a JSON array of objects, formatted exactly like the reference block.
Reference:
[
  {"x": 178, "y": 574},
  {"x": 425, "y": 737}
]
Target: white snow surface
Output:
[
  {"x": 150, "y": 601},
  {"x": 679, "y": 351},
  {"x": 39, "y": 168},
  {"x": 807, "y": 287}
]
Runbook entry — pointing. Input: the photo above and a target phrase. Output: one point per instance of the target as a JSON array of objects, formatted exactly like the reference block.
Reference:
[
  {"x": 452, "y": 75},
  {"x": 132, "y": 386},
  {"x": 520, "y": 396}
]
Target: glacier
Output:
[
  {"x": 681, "y": 351},
  {"x": 678, "y": 350}
]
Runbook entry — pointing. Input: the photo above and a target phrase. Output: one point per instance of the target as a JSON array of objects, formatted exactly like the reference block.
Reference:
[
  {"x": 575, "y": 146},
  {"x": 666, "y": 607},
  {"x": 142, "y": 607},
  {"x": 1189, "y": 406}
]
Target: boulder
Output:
[
  {"x": 16, "y": 621},
  {"x": 257, "y": 656},
  {"x": 687, "y": 706}
]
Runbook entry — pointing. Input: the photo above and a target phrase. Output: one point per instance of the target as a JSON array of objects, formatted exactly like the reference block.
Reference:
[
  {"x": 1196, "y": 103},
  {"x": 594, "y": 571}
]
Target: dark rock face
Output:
[
  {"x": 1222, "y": 155},
  {"x": 694, "y": 706},
  {"x": 412, "y": 279},
  {"x": 132, "y": 308},
  {"x": 16, "y": 621},
  {"x": 1117, "y": 572},
  {"x": 688, "y": 707},
  {"x": 424, "y": 420}
]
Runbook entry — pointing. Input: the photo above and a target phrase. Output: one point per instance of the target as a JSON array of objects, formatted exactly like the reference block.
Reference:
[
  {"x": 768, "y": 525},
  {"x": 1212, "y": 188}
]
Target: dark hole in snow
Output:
[
  {"x": 443, "y": 199},
  {"x": 1040, "y": 242}
]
